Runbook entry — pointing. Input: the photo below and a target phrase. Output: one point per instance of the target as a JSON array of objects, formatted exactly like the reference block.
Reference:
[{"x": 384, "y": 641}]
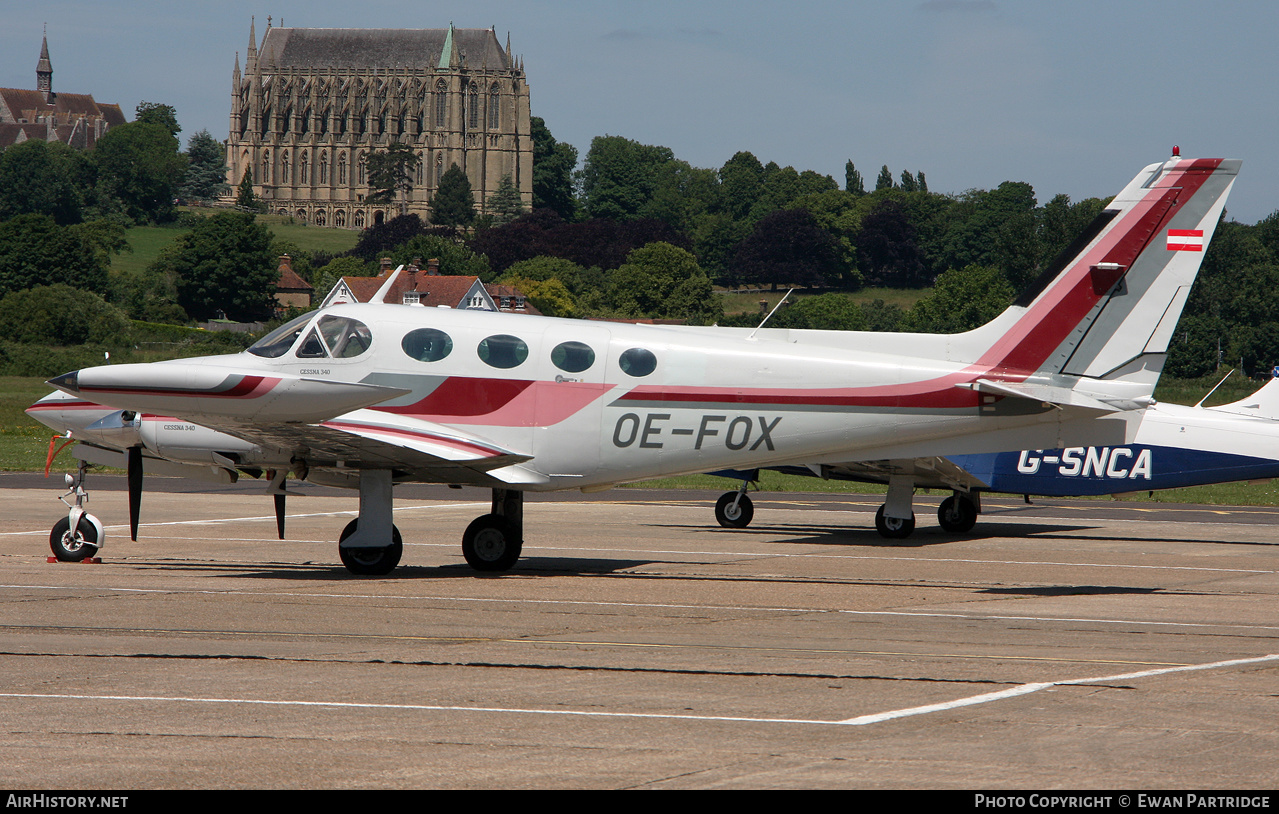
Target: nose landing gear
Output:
[{"x": 79, "y": 535}]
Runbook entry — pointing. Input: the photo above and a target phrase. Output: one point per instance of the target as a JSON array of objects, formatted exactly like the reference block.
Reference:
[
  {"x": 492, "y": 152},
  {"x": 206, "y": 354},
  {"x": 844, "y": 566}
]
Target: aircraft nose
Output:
[{"x": 67, "y": 382}]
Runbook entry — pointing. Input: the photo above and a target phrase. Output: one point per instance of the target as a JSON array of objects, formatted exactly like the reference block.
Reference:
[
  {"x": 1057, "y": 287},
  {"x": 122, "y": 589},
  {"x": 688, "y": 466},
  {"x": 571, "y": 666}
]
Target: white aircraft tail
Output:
[
  {"x": 1107, "y": 307},
  {"x": 1263, "y": 404}
]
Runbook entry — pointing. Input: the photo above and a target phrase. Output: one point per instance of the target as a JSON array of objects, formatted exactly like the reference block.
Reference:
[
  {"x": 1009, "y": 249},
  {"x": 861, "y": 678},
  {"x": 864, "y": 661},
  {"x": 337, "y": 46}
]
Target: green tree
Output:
[
  {"x": 206, "y": 168},
  {"x": 454, "y": 203},
  {"x": 664, "y": 281},
  {"x": 826, "y": 312},
  {"x": 619, "y": 175},
  {"x": 454, "y": 257},
  {"x": 391, "y": 172},
  {"x": 550, "y": 296},
  {"x": 43, "y": 177},
  {"x": 156, "y": 113},
  {"x": 62, "y": 315},
  {"x": 35, "y": 250},
  {"x": 324, "y": 278},
  {"x": 885, "y": 179},
  {"x": 224, "y": 264},
  {"x": 542, "y": 268},
  {"x": 505, "y": 204},
  {"x": 244, "y": 196},
  {"x": 741, "y": 182},
  {"x": 960, "y": 301},
  {"x": 553, "y": 165},
  {"x": 139, "y": 164},
  {"x": 853, "y": 180}
]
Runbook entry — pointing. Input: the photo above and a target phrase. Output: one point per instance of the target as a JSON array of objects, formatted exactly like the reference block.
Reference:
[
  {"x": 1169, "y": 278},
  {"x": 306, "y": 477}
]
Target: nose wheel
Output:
[{"x": 75, "y": 545}]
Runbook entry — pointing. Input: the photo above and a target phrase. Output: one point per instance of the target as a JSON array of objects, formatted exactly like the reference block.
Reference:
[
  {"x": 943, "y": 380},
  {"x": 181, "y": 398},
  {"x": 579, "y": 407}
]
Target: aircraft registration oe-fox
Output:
[
  {"x": 367, "y": 396},
  {"x": 1174, "y": 446}
]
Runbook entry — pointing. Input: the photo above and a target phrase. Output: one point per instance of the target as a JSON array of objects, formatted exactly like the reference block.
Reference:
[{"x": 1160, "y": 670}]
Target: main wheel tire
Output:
[
  {"x": 957, "y": 515},
  {"x": 894, "y": 528},
  {"x": 371, "y": 562},
  {"x": 734, "y": 517},
  {"x": 489, "y": 544},
  {"x": 73, "y": 547}
]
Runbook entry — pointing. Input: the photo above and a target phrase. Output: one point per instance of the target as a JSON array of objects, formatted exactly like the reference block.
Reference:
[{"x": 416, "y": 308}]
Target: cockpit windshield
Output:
[
  {"x": 278, "y": 342},
  {"x": 333, "y": 336}
]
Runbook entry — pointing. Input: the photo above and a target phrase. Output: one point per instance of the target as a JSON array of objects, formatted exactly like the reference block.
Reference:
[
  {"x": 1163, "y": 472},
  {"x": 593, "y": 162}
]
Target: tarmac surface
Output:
[{"x": 1060, "y": 645}]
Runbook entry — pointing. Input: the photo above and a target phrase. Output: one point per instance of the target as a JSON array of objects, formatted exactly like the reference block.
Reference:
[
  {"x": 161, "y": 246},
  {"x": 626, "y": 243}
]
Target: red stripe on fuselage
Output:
[{"x": 503, "y": 402}]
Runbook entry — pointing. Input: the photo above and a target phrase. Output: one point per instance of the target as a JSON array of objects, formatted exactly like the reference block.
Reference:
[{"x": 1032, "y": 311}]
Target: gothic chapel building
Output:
[{"x": 313, "y": 102}]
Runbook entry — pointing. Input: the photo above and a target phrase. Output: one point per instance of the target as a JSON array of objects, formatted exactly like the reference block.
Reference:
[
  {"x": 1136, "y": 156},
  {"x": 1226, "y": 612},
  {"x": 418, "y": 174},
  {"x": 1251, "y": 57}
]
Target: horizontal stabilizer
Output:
[{"x": 1055, "y": 396}]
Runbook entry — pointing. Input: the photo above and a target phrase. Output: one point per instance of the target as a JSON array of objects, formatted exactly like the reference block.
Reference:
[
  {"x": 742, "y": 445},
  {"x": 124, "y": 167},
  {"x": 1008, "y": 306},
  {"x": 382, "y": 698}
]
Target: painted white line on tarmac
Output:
[{"x": 1026, "y": 689}]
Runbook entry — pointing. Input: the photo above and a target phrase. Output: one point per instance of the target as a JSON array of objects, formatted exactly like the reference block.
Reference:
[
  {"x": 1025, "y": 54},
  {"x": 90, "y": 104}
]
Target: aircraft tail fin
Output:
[
  {"x": 1263, "y": 404},
  {"x": 1107, "y": 308}
]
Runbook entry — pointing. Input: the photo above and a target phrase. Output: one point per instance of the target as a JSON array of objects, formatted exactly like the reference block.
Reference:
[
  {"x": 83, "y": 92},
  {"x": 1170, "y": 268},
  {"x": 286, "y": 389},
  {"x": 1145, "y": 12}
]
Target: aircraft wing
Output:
[
  {"x": 414, "y": 450},
  {"x": 929, "y": 473}
]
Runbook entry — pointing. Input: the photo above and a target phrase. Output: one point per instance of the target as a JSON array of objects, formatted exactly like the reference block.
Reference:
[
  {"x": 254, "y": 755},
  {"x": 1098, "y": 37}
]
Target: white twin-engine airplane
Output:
[{"x": 367, "y": 396}]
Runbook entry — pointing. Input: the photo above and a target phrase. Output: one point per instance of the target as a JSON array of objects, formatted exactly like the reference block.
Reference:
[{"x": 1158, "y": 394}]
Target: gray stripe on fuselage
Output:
[{"x": 420, "y": 386}]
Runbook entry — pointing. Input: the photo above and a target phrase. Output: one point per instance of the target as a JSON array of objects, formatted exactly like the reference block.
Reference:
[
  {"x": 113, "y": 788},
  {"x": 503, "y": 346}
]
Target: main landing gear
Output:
[
  {"x": 371, "y": 545},
  {"x": 79, "y": 535},
  {"x": 895, "y": 520}
]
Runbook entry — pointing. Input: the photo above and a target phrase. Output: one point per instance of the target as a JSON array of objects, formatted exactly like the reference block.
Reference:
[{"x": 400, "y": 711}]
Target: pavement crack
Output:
[{"x": 493, "y": 665}]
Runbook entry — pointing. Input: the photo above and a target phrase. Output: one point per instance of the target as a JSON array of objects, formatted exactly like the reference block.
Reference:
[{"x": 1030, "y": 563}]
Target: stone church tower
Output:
[{"x": 313, "y": 102}]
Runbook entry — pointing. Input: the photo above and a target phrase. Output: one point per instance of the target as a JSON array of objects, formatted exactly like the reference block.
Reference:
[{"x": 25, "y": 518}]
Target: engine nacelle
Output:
[
  {"x": 120, "y": 428},
  {"x": 180, "y": 440}
]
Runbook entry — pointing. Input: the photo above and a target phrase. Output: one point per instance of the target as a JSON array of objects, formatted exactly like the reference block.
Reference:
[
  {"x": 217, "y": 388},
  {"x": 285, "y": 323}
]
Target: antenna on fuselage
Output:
[
  {"x": 1214, "y": 390},
  {"x": 770, "y": 313}
]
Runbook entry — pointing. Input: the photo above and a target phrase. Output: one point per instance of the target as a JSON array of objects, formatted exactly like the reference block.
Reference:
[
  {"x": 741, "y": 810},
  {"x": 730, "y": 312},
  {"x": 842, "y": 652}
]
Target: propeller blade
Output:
[
  {"x": 135, "y": 489},
  {"x": 279, "y": 514}
]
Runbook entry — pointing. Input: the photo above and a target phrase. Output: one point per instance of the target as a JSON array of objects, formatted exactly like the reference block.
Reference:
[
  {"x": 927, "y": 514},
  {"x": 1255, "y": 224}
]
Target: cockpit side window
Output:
[
  {"x": 278, "y": 342},
  {"x": 312, "y": 347},
  {"x": 346, "y": 337}
]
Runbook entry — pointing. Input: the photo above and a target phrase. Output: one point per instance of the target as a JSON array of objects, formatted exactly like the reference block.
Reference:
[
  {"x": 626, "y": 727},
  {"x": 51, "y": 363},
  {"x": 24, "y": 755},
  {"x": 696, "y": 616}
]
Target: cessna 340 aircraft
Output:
[{"x": 367, "y": 396}]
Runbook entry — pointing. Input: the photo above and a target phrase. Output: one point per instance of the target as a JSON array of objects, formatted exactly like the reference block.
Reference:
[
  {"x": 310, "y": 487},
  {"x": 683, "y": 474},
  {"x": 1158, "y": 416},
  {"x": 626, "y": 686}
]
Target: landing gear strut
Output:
[
  {"x": 895, "y": 520},
  {"x": 371, "y": 545},
  {"x": 79, "y": 535},
  {"x": 493, "y": 541}
]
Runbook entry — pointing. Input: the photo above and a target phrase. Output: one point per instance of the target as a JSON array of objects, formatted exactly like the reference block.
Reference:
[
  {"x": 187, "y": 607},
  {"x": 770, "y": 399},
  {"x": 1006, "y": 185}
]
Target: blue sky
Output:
[{"x": 1072, "y": 96}]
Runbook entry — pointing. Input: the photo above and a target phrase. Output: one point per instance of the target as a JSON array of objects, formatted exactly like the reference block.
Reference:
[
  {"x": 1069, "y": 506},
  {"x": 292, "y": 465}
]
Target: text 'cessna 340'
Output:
[{"x": 367, "y": 396}]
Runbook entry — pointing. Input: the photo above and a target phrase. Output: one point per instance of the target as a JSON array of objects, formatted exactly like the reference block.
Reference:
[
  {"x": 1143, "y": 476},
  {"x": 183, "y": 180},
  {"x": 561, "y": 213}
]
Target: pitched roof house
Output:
[{"x": 410, "y": 285}]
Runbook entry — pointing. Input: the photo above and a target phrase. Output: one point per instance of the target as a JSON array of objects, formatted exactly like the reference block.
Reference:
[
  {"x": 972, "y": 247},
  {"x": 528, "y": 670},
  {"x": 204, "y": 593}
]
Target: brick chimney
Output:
[
  {"x": 384, "y": 267},
  {"x": 433, "y": 267}
]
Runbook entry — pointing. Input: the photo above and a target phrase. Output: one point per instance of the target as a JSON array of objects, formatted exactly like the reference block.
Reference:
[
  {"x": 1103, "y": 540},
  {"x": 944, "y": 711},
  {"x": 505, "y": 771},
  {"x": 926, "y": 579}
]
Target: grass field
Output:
[{"x": 147, "y": 242}]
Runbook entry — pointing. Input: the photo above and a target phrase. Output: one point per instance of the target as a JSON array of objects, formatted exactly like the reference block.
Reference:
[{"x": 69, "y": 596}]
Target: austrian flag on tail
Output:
[{"x": 1185, "y": 240}]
